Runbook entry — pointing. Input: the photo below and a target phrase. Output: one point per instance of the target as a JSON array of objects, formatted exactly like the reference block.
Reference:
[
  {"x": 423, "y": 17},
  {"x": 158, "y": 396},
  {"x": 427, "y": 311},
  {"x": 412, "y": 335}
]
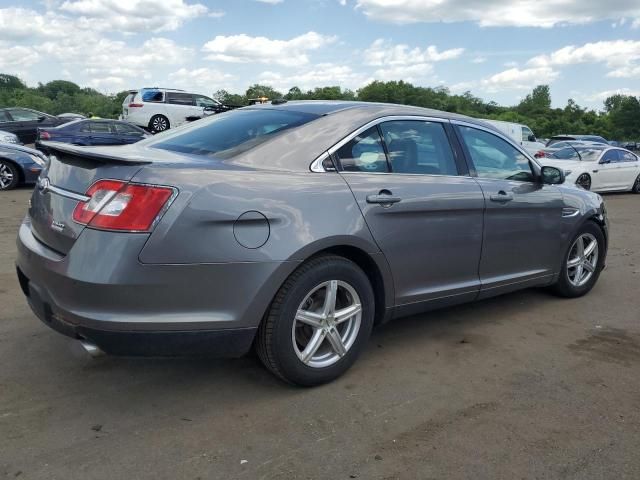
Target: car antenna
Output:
[{"x": 579, "y": 156}]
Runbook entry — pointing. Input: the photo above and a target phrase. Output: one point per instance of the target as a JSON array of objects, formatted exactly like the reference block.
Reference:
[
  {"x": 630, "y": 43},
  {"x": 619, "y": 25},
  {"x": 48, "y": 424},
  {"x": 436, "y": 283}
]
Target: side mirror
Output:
[
  {"x": 552, "y": 175},
  {"x": 532, "y": 138},
  {"x": 604, "y": 161}
]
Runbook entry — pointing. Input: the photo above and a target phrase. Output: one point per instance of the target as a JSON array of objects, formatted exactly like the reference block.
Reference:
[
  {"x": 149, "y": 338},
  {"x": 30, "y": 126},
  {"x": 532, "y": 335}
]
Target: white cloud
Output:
[
  {"x": 25, "y": 24},
  {"x": 479, "y": 60},
  {"x": 622, "y": 57},
  {"x": 383, "y": 53},
  {"x": 203, "y": 80},
  {"x": 270, "y": 2},
  {"x": 519, "y": 79},
  {"x": 321, "y": 75},
  {"x": 489, "y": 13},
  {"x": 17, "y": 57},
  {"x": 408, "y": 73},
  {"x": 246, "y": 49},
  {"x": 601, "y": 96},
  {"x": 134, "y": 15}
]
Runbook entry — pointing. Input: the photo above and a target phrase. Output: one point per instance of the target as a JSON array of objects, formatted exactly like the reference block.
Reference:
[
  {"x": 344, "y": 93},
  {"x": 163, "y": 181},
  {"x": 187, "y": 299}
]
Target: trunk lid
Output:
[{"x": 62, "y": 185}]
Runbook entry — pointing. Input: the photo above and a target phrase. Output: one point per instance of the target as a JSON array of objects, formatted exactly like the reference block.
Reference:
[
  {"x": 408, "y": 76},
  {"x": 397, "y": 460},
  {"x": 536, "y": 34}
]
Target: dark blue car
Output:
[
  {"x": 92, "y": 132},
  {"x": 19, "y": 164}
]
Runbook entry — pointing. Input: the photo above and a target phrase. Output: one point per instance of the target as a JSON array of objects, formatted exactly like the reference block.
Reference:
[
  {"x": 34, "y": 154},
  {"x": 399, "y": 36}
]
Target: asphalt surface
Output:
[{"x": 525, "y": 386}]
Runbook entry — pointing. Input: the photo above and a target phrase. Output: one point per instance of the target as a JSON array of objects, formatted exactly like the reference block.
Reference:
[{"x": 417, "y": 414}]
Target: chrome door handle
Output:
[
  {"x": 502, "y": 197},
  {"x": 383, "y": 199}
]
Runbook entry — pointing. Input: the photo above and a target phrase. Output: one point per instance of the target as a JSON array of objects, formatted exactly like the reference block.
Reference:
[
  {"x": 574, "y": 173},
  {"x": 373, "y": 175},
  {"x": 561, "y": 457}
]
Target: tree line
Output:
[{"x": 619, "y": 118}]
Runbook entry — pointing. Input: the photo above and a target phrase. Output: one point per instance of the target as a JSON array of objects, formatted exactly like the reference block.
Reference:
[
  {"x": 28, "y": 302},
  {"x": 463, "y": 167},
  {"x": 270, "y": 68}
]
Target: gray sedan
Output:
[{"x": 295, "y": 228}]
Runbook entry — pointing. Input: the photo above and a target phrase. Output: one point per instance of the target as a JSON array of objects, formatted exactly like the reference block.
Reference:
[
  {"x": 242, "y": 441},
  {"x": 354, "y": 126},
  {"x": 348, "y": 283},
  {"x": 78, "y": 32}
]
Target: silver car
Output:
[{"x": 296, "y": 228}]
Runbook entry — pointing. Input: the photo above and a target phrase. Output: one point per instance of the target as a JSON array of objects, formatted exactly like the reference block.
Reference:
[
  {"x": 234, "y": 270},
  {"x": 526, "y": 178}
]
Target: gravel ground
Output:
[{"x": 525, "y": 386}]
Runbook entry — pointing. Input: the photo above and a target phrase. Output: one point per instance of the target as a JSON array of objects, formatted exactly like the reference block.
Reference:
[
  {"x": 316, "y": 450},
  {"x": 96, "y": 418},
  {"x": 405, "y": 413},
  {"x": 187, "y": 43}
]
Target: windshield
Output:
[{"x": 228, "y": 134}]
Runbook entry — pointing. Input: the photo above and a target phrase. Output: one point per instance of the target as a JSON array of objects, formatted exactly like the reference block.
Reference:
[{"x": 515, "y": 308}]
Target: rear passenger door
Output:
[
  {"x": 523, "y": 217},
  {"x": 422, "y": 208},
  {"x": 180, "y": 107}
]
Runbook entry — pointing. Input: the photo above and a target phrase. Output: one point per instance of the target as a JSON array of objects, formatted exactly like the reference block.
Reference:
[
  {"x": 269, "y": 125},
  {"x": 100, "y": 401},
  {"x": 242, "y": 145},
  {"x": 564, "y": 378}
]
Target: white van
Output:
[
  {"x": 519, "y": 133},
  {"x": 159, "y": 109}
]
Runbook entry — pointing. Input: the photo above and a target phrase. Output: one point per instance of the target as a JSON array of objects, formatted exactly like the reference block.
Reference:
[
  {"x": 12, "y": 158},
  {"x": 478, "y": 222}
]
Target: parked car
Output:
[
  {"x": 550, "y": 151},
  {"x": 92, "y": 132},
  {"x": 159, "y": 109},
  {"x": 8, "y": 137},
  {"x": 24, "y": 122},
  {"x": 598, "y": 167},
  {"x": 19, "y": 164},
  {"x": 633, "y": 146},
  {"x": 296, "y": 228},
  {"x": 585, "y": 138},
  {"x": 520, "y": 134}
]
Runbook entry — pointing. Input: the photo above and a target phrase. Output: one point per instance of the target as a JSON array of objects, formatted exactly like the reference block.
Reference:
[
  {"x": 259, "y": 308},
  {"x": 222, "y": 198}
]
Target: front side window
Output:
[
  {"x": 178, "y": 98},
  {"x": 100, "y": 127},
  {"x": 418, "y": 147},
  {"x": 202, "y": 101},
  {"x": 364, "y": 153},
  {"x": 229, "y": 134},
  {"x": 20, "y": 115},
  {"x": 610, "y": 156},
  {"x": 495, "y": 158},
  {"x": 526, "y": 133},
  {"x": 125, "y": 129}
]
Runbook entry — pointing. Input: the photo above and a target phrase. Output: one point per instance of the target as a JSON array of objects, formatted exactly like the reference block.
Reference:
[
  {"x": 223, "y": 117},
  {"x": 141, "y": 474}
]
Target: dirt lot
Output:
[{"x": 522, "y": 386}]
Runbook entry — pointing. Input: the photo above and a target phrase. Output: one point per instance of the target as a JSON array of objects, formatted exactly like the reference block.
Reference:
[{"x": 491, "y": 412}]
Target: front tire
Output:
[
  {"x": 584, "y": 181},
  {"x": 636, "y": 186},
  {"x": 159, "y": 123},
  {"x": 318, "y": 323},
  {"x": 9, "y": 175},
  {"x": 582, "y": 263}
]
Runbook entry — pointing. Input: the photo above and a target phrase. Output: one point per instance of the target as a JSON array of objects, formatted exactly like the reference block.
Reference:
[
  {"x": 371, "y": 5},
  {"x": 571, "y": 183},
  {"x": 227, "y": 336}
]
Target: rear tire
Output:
[
  {"x": 159, "y": 123},
  {"x": 299, "y": 321},
  {"x": 581, "y": 265},
  {"x": 636, "y": 186},
  {"x": 9, "y": 175}
]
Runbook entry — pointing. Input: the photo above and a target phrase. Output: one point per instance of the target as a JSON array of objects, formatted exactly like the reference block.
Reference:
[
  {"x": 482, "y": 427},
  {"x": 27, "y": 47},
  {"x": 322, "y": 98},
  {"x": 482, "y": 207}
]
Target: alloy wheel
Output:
[
  {"x": 6, "y": 176},
  {"x": 326, "y": 324},
  {"x": 160, "y": 124},
  {"x": 583, "y": 259}
]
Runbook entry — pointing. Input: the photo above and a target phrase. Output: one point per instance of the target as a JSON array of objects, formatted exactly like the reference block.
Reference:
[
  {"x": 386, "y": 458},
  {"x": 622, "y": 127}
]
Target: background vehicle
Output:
[
  {"x": 8, "y": 137},
  {"x": 273, "y": 223},
  {"x": 549, "y": 151},
  {"x": 585, "y": 138},
  {"x": 598, "y": 167},
  {"x": 24, "y": 122},
  {"x": 519, "y": 133},
  {"x": 92, "y": 132},
  {"x": 19, "y": 164},
  {"x": 159, "y": 109}
]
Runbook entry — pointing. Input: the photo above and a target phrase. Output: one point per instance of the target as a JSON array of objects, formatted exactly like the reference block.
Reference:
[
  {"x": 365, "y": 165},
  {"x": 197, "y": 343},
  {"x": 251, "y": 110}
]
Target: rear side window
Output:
[
  {"x": 418, "y": 147},
  {"x": 229, "y": 134},
  {"x": 4, "y": 117},
  {"x": 151, "y": 95},
  {"x": 629, "y": 157},
  {"x": 178, "y": 98},
  {"x": 364, "y": 153}
]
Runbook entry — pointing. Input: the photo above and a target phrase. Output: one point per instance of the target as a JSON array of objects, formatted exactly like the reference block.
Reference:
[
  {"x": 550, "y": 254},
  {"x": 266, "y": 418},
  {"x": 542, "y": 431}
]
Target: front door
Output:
[
  {"x": 423, "y": 210},
  {"x": 522, "y": 222}
]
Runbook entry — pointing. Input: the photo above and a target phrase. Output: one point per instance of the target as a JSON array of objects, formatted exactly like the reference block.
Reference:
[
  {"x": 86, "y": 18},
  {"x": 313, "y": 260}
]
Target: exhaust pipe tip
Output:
[{"x": 91, "y": 349}]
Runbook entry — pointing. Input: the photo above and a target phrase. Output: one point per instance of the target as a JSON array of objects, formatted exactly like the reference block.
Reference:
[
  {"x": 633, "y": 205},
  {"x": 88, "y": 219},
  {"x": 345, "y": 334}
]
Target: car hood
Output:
[{"x": 18, "y": 148}]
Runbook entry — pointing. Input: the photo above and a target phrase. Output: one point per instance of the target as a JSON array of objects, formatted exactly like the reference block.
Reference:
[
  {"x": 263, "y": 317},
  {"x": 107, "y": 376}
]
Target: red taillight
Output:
[
  {"x": 540, "y": 154},
  {"x": 136, "y": 105},
  {"x": 116, "y": 205},
  {"x": 45, "y": 135}
]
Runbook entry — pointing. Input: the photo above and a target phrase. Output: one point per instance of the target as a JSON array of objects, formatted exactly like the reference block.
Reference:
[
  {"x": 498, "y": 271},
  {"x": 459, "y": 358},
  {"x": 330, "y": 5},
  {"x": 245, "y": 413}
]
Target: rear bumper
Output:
[{"x": 101, "y": 292}]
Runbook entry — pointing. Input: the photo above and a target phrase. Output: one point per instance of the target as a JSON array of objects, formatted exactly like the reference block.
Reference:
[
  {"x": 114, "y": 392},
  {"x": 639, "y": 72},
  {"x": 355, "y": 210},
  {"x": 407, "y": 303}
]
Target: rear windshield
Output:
[{"x": 228, "y": 134}]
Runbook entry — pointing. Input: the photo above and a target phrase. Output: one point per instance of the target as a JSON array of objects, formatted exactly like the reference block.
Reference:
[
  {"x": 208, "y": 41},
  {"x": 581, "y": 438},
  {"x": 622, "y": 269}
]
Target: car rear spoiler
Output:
[{"x": 92, "y": 153}]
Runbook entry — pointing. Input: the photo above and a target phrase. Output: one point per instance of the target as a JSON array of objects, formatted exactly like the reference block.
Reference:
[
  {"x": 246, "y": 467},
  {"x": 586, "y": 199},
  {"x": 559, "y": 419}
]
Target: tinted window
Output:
[
  {"x": 229, "y": 134},
  {"x": 364, "y": 153},
  {"x": 151, "y": 95},
  {"x": 495, "y": 158},
  {"x": 177, "y": 98},
  {"x": 566, "y": 154},
  {"x": 418, "y": 147},
  {"x": 24, "y": 115},
  {"x": 4, "y": 116},
  {"x": 526, "y": 132},
  {"x": 610, "y": 156}
]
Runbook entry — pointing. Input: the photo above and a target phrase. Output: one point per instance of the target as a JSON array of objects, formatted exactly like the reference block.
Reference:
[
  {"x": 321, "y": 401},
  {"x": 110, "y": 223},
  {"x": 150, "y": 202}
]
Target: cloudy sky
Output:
[{"x": 585, "y": 49}]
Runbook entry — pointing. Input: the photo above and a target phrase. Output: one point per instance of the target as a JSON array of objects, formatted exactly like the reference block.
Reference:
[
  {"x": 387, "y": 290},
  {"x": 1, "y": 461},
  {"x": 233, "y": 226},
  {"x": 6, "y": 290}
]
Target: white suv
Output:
[{"x": 159, "y": 109}]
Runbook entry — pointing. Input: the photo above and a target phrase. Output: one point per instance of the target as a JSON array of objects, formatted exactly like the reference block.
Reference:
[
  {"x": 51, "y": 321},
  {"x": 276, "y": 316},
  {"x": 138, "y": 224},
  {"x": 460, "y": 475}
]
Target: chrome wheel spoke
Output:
[
  {"x": 587, "y": 266},
  {"x": 330, "y": 298},
  {"x": 590, "y": 249},
  {"x": 583, "y": 259},
  {"x": 314, "y": 320},
  {"x": 336, "y": 342},
  {"x": 574, "y": 262},
  {"x": 313, "y": 345},
  {"x": 345, "y": 314}
]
